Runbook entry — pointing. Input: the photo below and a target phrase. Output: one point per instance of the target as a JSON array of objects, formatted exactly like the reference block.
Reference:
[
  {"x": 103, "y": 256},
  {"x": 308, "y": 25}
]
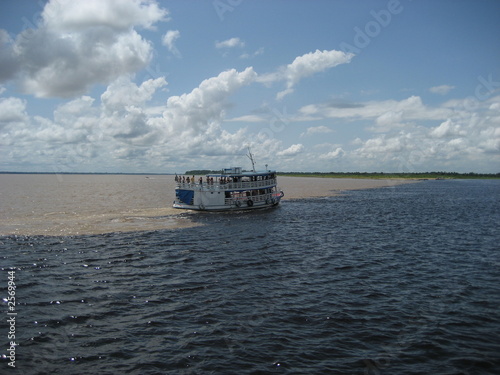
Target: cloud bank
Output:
[
  {"x": 75, "y": 47},
  {"x": 112, "y": 120},
  {"x": 78, "y": 44}
]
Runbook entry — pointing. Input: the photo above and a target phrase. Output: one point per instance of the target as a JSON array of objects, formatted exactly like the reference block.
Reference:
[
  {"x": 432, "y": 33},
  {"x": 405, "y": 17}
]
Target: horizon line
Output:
[{"x": 282, "y": 172}]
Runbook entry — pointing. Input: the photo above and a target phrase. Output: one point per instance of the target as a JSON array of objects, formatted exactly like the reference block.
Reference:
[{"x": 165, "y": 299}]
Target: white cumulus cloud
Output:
[
  {"x": 447, "y": 129},
  {"x": 121, "y": 15},
  {"x": 334, "y": 154},
  {"x": 317, "y": 130},
  {"x": 123, "y": 92},
  {"x": 12, "y": 111},
  {"x": 441, "y": 90},
  {"x": 385, "y": 112},
  {"x": 169, "y": 39},
  {"x": 293, "y": 150},
  {"x": 309, "y": 64},
  {"x": 78, "y": 44},
  {"x": 230, "y": 43}
]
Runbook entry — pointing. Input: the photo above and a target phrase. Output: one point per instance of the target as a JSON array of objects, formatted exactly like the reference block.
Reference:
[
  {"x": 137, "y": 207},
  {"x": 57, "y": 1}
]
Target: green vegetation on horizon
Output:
[
  {"x": 409, "y": 175},
  {"x": 201, "y": 172},
  {"x": 379, "y": 175},
  {"x": 373, "y": 175}
]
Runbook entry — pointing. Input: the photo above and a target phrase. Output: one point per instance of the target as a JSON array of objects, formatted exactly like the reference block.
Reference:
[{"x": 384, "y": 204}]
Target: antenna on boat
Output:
[{"x": 250, "y": 156}]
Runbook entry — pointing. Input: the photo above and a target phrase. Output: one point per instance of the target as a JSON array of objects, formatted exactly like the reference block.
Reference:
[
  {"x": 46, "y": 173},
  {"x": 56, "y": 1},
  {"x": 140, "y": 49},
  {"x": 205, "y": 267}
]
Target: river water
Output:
[
  {"x": 72, "y": 204},
  {"x": 395, "y": 280}
]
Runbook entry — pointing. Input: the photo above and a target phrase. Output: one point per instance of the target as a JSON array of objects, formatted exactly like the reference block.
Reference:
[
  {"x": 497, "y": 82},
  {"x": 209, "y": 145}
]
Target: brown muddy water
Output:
[{"x": 52, "y": 204}]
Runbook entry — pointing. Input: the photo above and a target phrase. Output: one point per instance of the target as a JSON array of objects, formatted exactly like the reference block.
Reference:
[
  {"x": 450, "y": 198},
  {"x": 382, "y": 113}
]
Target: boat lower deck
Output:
[
  {"x": 225, "y": 207},
  {"x": 238, "y": 202}
]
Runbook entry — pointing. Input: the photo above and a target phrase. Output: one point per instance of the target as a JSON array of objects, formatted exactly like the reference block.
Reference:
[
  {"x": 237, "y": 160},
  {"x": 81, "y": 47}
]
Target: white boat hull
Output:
[{"x": 233, "y": 207}]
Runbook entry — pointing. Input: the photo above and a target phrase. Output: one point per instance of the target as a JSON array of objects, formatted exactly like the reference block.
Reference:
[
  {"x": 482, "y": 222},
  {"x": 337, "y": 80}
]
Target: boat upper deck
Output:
[
  {"x": 229, "y": 179},
  {"x": 236, "y": 172},
  {"x": 219, "y": 185}
]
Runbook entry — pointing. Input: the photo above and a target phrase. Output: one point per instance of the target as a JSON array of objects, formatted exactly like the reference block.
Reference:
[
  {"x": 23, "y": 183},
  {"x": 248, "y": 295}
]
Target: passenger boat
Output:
[{"x": 232, "y": 189}]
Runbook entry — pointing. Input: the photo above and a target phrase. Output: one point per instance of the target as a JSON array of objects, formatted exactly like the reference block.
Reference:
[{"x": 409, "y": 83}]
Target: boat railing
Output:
[
  {"x": 217, "y": 186},
  {"x": 254, "y": 198}
]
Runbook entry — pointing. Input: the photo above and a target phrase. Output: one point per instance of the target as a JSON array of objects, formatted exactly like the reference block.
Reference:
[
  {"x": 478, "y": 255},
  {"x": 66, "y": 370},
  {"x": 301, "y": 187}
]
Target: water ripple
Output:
[{"x": 399, "y": 280}]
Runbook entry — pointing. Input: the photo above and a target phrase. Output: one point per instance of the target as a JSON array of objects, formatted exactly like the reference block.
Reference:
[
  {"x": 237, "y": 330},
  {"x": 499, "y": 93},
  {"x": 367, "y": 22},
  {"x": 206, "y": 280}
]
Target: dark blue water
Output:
[{"x": 402, "y": 280}]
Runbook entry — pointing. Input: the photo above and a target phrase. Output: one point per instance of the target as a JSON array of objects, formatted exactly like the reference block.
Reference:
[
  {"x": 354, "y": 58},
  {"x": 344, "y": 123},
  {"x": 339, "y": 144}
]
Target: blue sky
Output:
[{"x": 167, "y": 86}]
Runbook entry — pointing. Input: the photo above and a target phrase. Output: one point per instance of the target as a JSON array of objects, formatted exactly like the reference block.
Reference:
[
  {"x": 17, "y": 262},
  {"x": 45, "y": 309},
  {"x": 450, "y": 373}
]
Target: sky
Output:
[{"x": 145, "y": 86}]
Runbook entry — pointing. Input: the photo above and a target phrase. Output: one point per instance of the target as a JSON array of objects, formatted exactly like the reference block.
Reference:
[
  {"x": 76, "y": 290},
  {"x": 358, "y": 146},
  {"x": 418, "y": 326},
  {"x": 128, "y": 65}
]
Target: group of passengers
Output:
[
  {"x": 227, "y": 180},
  {"x": 184, "y": 179},
  {"x": 222, "y": 180},
  {"x": 192, "y": 180}
]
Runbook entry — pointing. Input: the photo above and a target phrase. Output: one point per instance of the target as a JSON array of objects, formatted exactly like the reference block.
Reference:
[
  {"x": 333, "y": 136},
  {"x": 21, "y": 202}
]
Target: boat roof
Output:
[{"x": 242, "y": 174}]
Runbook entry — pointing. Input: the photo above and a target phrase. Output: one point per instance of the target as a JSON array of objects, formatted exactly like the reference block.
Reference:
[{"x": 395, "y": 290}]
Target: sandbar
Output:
[{"x": 311, "y": 187}]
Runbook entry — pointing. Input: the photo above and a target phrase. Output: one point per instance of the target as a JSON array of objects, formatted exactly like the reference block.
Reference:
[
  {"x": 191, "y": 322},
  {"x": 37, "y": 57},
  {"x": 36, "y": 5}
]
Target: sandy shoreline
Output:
[
  {"x": 310, "y": 187},
  {"x": 82, "y": 205}
]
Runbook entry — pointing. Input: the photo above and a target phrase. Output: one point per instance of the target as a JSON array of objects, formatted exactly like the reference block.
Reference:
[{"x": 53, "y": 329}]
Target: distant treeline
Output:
[
  {"x": 199, "y": 172},
  {"x": 414, "y": 175},
  {"x": 203, "y": 172},
  {"x": 90, "y": 173}
]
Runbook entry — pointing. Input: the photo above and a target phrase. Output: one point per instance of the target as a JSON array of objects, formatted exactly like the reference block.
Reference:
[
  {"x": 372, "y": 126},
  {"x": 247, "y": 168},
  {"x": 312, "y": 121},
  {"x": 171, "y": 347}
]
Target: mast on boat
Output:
[{"x": 250, "y": 156}]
